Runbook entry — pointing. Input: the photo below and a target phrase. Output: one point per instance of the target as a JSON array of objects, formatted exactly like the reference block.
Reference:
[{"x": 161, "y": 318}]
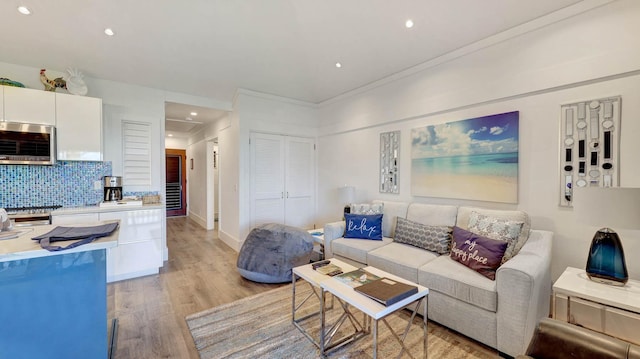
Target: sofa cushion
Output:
[
  {"x": 367, "y": 208},
  {"x": 432, "y": 214},
  {"x": 391, "y": 211},
  {"x": 519, "y": 216},
  {"x": 400, "y": 259},
  {"x": 449, "y": 277},
  {"x": 363, "y": 226},
  {"x": 497, "y": 228},
  {"x": 482, "y": 254},
  {"x": 356, "y": 249},
  {"x": 433, "y": 238}
]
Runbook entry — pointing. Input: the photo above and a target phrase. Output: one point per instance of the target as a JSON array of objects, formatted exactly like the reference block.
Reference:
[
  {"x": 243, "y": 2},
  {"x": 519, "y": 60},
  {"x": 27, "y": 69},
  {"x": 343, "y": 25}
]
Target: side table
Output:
[
  {"x": 318, "y": 238},
  {"x": 600, "y": 307}
]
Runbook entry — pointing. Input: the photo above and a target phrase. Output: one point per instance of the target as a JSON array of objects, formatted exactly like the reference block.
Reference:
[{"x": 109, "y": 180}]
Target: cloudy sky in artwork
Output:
[{"x": 482, "y": 135}]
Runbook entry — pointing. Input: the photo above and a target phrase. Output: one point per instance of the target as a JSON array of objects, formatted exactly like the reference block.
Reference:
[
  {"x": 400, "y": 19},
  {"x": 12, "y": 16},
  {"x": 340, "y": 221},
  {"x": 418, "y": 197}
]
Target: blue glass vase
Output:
[{"x": 606, "y": 262}]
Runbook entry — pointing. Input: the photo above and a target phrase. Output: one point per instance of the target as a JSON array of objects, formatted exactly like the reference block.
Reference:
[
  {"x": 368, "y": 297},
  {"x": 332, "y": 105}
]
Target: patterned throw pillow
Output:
[
  {"x": 367, "y": 208},
  {"x": 497, "y": 228},
  {"x": 483, "y": 255},
  {"x": 432, "y": 238},
  {"x": 363, "y": 226}
]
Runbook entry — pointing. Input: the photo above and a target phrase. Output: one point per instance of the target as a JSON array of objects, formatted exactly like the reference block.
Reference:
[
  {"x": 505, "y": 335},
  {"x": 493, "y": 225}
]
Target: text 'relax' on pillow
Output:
[
  {"x": 432, "y": 238},
  {"x": 363, "y": 226},
  {"x": 482, "y": 254},
  {"x": 497, "y": 228}
]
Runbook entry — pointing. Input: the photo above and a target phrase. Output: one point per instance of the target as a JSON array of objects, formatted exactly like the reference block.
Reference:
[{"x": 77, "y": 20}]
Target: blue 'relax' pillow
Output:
[{"x": 363, "y": 226}]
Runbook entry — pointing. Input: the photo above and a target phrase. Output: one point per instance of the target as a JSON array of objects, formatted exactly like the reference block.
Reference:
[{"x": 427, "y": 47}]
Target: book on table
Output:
[
  {"x": 356, "y": 277},
  {"x": 387, "y": 291},
  {"x": 329, "y": 269}
]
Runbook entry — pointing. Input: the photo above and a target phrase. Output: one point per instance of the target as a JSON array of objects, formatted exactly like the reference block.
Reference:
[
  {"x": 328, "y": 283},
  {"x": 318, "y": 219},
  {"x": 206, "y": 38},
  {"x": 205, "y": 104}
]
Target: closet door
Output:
[
  {"x": 299, "y": 182},
  {"x": 267, "y": 179}
]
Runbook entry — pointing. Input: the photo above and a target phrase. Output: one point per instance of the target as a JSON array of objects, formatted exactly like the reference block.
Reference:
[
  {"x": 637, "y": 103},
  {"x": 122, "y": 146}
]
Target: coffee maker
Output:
[{"x": 112, "y": 188}]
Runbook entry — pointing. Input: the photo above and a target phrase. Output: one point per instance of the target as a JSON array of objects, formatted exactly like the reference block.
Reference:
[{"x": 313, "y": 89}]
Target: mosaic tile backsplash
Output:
[{"x": 67, "y": 183}]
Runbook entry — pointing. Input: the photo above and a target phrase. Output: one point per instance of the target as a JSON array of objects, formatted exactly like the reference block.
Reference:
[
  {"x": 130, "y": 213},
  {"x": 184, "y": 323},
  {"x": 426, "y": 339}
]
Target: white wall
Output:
[
  {"x": 588, "y": 56},
  {"x": 176, "y": 143},
  {"x": 197, "y": 182}
]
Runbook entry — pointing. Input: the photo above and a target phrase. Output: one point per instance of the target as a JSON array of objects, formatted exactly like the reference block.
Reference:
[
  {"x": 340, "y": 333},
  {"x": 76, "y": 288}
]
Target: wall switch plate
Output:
[{"x": 97, "y": 185}]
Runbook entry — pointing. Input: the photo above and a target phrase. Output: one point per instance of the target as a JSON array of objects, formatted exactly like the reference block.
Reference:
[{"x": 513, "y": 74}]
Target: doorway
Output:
[{"x": 176, "y": 182}]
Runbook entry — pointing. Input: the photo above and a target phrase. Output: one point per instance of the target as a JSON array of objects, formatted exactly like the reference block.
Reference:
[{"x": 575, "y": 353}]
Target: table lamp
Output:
[
  {"x": 347, "y": 196},
  {"x": 610, "y": 207}
]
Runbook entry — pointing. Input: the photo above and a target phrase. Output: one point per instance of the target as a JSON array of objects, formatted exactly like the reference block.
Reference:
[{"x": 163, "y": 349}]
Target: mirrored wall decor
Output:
[
  {"x": 389, "y": 162},
  {"x": 589, "y": 146}
]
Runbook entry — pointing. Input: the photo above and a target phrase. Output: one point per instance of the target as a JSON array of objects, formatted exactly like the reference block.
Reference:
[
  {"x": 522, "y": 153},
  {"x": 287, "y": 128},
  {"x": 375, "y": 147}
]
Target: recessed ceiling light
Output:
[
  {"x": 170, "y": 135},
  {"x": 409, "y": 24},
  {"x": 109, "y": 32},
  {"x": 194, "y": 114},
  {"x": 24, "y": 10},
  {"x": 338, "y": 65}
]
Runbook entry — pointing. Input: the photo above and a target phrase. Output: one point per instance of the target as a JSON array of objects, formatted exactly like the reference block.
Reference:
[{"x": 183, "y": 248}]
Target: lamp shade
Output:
[
  {"x": 347, "y": 194},
  {"x": 608, "y": 207}
]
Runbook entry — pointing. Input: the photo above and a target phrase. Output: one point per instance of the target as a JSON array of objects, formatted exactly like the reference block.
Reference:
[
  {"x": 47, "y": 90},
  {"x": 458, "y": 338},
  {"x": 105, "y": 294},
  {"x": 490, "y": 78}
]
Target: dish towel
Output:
[{"x": 84, "y": 235}]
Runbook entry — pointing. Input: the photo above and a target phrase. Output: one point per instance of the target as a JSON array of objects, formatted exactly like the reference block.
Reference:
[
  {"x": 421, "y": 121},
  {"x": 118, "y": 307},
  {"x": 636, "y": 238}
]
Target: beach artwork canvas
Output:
[{"x": 474, "y": 159}]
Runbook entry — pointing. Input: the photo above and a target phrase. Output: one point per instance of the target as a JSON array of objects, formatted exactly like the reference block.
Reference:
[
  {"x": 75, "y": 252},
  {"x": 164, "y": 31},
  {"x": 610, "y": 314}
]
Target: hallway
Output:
[{"x": 200, "y": 274}]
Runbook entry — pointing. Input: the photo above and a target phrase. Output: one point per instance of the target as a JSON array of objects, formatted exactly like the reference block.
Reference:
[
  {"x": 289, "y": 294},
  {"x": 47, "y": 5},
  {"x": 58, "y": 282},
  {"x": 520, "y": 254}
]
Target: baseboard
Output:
[
  {"x": 232, "y": 242},
  {"x": 198, "y": 219}
]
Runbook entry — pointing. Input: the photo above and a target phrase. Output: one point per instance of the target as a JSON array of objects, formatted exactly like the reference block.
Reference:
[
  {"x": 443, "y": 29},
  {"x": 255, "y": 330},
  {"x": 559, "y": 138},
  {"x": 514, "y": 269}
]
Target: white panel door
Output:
[
  {"x": 299, "y": 182},
  {"x": 267, "y": 179}
]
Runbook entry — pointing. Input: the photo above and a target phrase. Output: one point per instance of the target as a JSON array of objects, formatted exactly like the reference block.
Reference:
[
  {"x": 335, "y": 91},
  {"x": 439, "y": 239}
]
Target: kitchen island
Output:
[{"x": 53, "y": 304}]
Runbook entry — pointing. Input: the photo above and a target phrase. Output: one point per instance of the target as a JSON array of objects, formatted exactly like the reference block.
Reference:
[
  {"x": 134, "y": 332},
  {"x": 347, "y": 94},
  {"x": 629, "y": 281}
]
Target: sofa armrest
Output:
[
  {"x": 332, "y": 231},
  {"x": 524, "y": 293}
]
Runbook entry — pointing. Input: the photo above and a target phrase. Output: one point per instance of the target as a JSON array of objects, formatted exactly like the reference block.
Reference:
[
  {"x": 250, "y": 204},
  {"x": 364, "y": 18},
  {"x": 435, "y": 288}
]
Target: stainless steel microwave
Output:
[{"x": 27, "y": 144}]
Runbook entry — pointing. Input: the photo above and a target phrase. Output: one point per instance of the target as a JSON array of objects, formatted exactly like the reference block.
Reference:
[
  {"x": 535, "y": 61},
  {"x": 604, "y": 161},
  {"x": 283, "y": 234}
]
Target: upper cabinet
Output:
[
  {"x": 1, "y": 103},
  {"x": 29, "y": 106},
  {"x": 78, "y": 127}
]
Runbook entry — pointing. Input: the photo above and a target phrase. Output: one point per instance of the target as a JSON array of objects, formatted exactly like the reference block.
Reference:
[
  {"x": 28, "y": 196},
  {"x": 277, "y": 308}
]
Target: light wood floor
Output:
[{"x": 200, "y": 274}]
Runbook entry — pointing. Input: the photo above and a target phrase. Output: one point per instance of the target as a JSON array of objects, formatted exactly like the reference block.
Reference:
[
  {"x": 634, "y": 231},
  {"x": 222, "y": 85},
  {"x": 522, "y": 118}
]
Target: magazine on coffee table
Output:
[{"x": 356, "y": 278}]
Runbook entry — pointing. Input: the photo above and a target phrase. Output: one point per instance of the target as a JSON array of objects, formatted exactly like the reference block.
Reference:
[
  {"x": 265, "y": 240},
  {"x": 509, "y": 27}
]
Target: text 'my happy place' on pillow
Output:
[
  {"x": 499, "y": 229},
  {"x": 482, "y": 254},
  {"x": 363, "y": 226},
  {"x": 433, "y": 238}
]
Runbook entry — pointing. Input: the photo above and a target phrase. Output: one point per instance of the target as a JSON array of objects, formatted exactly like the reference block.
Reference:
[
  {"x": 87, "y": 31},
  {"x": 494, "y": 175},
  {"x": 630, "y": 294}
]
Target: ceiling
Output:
[{"x": 289, "y": 48}]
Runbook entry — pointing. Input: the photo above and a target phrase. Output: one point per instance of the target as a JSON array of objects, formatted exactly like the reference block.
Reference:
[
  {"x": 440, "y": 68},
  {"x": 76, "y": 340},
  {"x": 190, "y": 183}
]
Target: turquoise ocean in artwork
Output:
[{"x": 496, "y": 164}]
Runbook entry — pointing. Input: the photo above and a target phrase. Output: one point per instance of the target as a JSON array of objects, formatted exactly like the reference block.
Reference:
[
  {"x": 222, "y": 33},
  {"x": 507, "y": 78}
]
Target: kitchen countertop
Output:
[
  {"x": 98, "y": 209},
  {"x": 23, "y": 247}
]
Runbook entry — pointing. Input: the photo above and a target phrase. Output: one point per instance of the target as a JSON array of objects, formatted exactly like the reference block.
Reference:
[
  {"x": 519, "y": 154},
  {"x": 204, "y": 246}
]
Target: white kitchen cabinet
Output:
[
  {"x": 282, "y": 180},
  {"x": 79, "y": 128},
  {"x": 2, "y": 103},
  {"x": 139, "y": 250},
  {"x": 29, "y": 105}
]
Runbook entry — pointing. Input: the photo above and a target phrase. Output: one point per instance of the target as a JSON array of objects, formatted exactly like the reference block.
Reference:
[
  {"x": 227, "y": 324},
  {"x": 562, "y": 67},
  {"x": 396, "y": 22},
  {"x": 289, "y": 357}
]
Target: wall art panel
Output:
[
  {"x": 475, "y": 159},
  {"x": 589, "y": 145},
  {"x": 389, "y": 162}
]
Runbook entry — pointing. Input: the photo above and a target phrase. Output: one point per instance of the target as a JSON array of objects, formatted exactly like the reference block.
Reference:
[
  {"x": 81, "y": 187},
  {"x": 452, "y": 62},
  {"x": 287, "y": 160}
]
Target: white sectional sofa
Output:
[{"x": 501, "y": 314}]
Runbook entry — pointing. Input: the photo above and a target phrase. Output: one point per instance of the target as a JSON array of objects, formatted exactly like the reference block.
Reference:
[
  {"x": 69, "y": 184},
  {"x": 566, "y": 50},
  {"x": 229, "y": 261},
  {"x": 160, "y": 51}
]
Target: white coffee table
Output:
[
  {"x": 326, "y": 341},
  {"x": 375, "y": 310}
]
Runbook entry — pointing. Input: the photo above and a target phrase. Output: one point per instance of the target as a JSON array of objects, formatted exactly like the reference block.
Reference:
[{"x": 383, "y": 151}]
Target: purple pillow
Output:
[{"x": 479, "y": 253}]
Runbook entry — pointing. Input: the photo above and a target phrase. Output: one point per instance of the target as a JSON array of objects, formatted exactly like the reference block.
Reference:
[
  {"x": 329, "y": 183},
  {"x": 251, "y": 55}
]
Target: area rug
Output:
[{"x": 260, "y": 327}]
